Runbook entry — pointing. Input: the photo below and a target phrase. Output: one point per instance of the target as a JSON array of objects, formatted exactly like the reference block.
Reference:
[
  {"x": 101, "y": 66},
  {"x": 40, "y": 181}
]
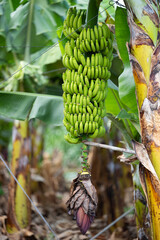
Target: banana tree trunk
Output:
[
  {"x": 18, "y": 205},
  {"x": 37, "y": 138},
  {"x": 144, "y": 51}
]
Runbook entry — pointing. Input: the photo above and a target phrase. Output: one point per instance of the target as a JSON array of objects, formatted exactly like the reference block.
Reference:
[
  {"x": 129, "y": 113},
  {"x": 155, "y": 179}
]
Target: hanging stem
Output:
[
  {"x": 92, "y": 13},
  {"x": 84, "y": 156}
]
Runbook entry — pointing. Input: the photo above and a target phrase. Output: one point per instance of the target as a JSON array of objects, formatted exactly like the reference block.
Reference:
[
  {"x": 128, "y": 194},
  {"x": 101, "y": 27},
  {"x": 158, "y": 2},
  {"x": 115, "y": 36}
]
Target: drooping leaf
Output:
[
  {"x": 126, "y": 80},
  {"x": 19, "y": 105},
  {"x": 122, "y": 33}
]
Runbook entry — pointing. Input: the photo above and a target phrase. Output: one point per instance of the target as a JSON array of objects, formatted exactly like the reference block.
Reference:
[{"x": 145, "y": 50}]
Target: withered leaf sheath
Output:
[{"x": 83, "y": 201}]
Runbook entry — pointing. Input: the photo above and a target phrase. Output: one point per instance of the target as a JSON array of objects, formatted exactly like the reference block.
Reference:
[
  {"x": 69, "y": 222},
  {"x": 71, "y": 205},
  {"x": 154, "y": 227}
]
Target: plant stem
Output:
[
  {"x": 92, "y": 13},
  {"x": 84, "y": 156},
  {"x": 109, "y": 147},
  {"x": 13, "y": 53},
  {"x": 11, "y": 5},
  {"x": 28, "y": 39}
]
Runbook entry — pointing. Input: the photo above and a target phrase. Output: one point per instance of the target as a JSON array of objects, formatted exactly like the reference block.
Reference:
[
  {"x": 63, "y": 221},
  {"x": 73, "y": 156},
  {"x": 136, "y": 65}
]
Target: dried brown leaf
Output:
[
  {"x": 143, "y": 157},
  {"x": 90, "y": 190},
  {"x": 128, "y": 160}
]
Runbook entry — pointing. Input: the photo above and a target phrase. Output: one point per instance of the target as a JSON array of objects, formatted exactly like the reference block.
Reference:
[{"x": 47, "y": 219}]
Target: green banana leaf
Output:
[
  {"x": 21, "y": 106},
  {"x": 126, "y": 80}
]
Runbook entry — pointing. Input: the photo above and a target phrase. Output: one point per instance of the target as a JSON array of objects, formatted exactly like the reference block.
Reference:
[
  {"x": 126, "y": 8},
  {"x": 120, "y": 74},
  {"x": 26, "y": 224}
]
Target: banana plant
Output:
[
  {"x": 19, "y": 209},
  {"x": 143, "y": 48}
]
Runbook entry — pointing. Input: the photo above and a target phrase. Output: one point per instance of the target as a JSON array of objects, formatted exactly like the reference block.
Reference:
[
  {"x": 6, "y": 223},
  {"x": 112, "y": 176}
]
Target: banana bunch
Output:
[
  {"x": 88, "y": 58},
  {"x": 73, "y": 22},
  {"x": 95, "y": 40}
]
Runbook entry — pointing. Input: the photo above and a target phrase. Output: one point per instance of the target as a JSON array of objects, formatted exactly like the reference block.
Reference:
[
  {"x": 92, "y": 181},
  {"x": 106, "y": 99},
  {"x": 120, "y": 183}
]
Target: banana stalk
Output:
[
  {"x": 92, "y": 13},
  {"x": 144, "y": 48},
  {"x": 18, "y": 204}
]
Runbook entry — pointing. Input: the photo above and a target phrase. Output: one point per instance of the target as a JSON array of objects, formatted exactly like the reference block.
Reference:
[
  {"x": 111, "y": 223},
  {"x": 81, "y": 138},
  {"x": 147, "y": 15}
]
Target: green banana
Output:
[
  {"x": 78, "y": 43},
  {"x": 81, "y": 100},
  {"x": 74, "y": 108},
  {"x": 100, "y": 34},
  {"x": 68, "y": 49},
  {"x": 94, "y": 112},
  {"x": 78, "y": 98},
  {"x": 87, "y": 117},
  {"x": 84, "y": 33},
  {"x": 92, "y": 72},
  {"x": 86, "y": 81},
  {"x": 84, "y": 46},
  {"x": 97, "y": 46},
  {"x": 85, "y": 90},
  {"x": 102, "y": 44},
  {"x": 72, "y": 119},
  {"x": 83, "y": 61},
  {"x": 93, "y": 46},
  {"x": 90, "y": 127},
  {"x": 83, "y": 118},
  {"x": 75, "y": 25},
  {"x": 79, "y": 117},
  {"x": 93, "y": 38},
  {"x": 88, "y": 62},
  {"x": 89, "y": 72},
  {"x": 91, "y": 118},
  {"x": 81, "y": 79},
  {"x": 75, "y": 63},
  {"x": 85, "y": 70},
  {"x": 96, "y": 89},
  {"x": 75, "y": 54},
  {"x": 90, "y": 94},
  {"x": 86, "y": 127},
  {"x": 77, "y": 109},
  {"x": 87, "y": 44},
  {"x": 81, "y": 127},
  {"x": 96, "y": 32},
  {"x": 89, "y": 110},
  {"x": 72, "y": 43},
  {"x": 80, "y": 69},
  {"x": 76, "y": 126},
  {"x": 75, "y": 88},
  {"x": 93, "y": 60},
  {"x": 71, "y": 20},
  {"x": 84, "y": 101},
  {"x": 79, "y": 22},
  {"x": 88, "y": 34},
  {"x": 71, "y": 139},
  {"x": 80, "y": 88},
  {"x": 65, "y": 98},
  {"x": 95, "y": 134},
  {"x": 74, "y": 98}
]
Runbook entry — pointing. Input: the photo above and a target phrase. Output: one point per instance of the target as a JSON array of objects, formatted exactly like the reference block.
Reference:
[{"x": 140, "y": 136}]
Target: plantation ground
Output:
[{"x": 50, "y": 191}]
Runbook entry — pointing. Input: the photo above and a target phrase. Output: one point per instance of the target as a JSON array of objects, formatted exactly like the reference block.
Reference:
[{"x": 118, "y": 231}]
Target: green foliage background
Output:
[{"x": 31, "y": 64}]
